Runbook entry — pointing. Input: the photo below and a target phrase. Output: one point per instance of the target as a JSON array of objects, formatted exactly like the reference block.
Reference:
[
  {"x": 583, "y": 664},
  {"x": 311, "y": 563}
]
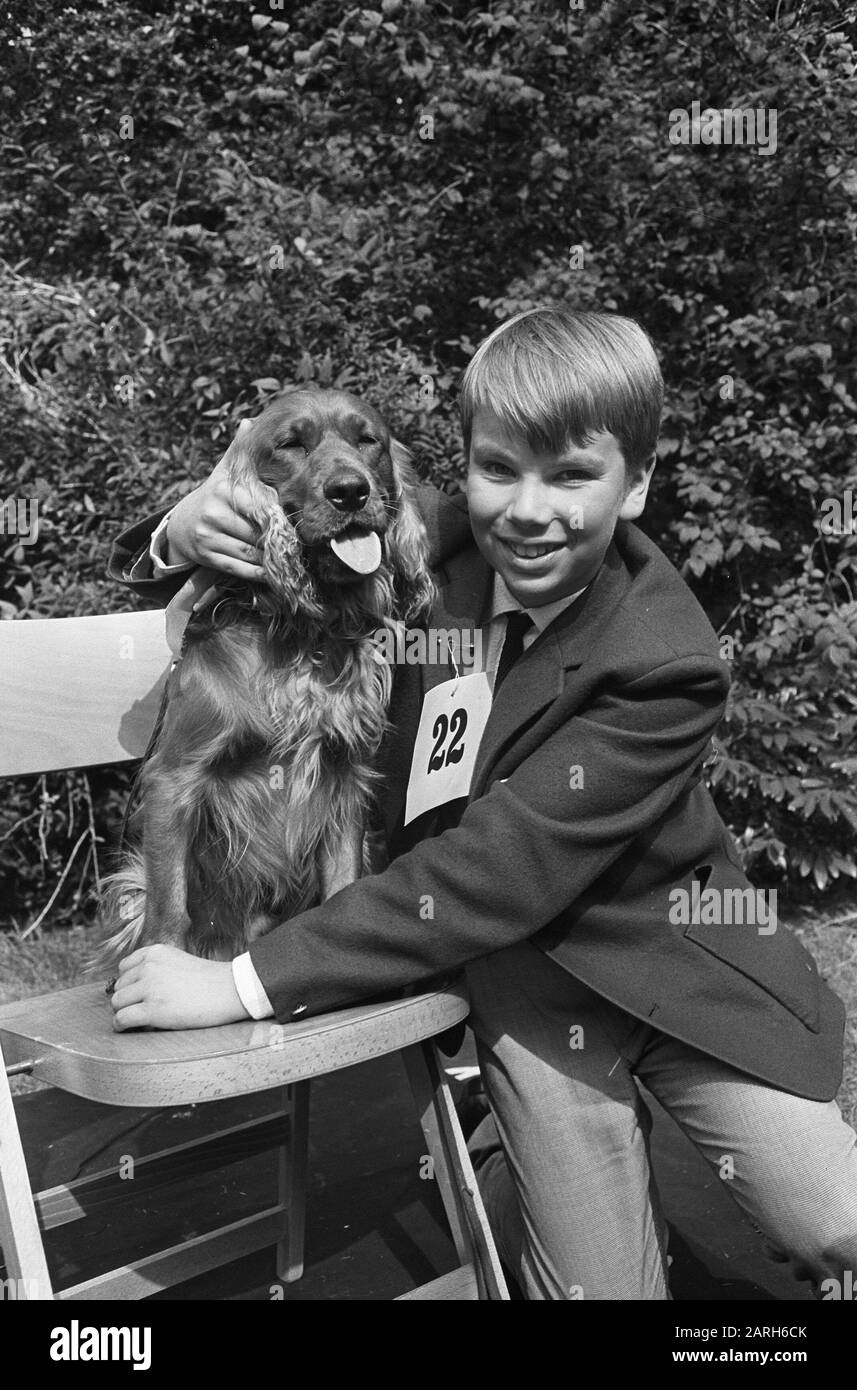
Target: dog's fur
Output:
[{"x": 255, "y": 800}]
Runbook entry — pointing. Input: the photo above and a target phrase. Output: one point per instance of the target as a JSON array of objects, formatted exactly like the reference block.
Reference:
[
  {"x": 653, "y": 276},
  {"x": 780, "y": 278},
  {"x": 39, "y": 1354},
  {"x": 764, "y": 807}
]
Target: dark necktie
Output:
[{"x": 517, "y": 626}]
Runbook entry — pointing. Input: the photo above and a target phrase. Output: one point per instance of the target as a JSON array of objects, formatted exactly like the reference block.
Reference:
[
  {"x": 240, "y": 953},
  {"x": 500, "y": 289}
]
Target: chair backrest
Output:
[{"x": 76, "y": 692}]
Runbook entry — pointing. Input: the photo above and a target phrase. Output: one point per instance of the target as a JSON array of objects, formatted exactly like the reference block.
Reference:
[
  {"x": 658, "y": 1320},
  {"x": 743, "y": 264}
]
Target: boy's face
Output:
[{"x": 545, "y": 520}]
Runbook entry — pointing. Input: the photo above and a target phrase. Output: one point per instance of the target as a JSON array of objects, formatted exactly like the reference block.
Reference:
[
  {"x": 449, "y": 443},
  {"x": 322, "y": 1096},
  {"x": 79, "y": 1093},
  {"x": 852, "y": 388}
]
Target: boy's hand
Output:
[
  {"x": 163, "y": 987},
  {"x": 209, "y": 526}
]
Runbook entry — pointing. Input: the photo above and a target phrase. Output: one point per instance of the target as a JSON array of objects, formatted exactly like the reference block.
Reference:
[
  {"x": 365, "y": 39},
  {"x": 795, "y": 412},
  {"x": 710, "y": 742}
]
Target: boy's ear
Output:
[{"x": 638, "y": 490}]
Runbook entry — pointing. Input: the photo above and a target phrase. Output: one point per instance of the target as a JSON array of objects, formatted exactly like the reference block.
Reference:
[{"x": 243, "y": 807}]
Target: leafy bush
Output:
[{"x": 203, "y": 203}]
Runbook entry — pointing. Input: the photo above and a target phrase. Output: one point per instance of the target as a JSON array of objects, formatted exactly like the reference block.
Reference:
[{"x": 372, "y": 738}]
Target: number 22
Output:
[{"x": 455, "y": 752}]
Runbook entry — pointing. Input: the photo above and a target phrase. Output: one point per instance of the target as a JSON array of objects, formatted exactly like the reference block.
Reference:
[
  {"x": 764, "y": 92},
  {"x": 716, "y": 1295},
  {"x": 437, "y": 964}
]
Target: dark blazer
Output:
[{"x": 626, "y": 684}]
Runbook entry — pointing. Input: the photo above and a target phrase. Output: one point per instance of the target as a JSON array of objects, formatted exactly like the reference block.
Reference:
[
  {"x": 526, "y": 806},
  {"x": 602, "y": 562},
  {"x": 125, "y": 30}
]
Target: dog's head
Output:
[{"x": 335, "y": 503}]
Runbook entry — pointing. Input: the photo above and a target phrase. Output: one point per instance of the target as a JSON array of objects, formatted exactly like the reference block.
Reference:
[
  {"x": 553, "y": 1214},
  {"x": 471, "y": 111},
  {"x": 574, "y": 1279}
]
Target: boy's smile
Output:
[{"x": 544, "y": 520}]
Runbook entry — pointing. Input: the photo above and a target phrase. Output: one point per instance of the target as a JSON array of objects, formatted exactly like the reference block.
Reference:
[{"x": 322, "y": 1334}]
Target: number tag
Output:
[{"x": 452, "y": 722}]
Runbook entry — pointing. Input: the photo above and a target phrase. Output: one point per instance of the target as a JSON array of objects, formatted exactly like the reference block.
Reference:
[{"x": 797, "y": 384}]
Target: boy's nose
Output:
[{"x": 529, "y": 505}]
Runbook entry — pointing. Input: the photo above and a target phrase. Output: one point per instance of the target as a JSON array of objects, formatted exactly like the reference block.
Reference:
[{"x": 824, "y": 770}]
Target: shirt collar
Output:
[{"x": 542, "y": 617}]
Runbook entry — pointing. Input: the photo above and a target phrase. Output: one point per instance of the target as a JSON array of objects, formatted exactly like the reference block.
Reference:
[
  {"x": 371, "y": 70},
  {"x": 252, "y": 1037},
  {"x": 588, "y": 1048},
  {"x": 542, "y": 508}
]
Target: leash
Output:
[{"x": 133, "y": 795}]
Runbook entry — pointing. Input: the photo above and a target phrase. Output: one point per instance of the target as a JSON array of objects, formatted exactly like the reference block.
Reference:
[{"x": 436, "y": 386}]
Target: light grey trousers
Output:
[{"x": 569, "y": 1187}]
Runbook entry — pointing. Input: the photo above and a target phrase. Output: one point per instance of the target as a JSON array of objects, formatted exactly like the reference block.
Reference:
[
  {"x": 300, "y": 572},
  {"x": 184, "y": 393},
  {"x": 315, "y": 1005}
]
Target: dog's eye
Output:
[
  {"x": 367, "y": 439},
  {"x": 289, "y": 444}
]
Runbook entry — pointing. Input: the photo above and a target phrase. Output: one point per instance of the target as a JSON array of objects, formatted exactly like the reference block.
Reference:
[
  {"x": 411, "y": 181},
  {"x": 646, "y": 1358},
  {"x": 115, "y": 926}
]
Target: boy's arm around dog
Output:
[
  {"x": 132, "y": 546},
  {"x": 586, "y": 811}
]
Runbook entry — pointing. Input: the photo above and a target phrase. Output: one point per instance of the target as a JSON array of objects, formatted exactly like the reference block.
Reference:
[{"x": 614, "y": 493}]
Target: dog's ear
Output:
[
  {"x": 403, "y": 464},
  {"x": 242, "y": 460},
  {"x": 282, "y": 559},
  {"x": 407, "y": 540},
  {"x": 284, "y": 567}
]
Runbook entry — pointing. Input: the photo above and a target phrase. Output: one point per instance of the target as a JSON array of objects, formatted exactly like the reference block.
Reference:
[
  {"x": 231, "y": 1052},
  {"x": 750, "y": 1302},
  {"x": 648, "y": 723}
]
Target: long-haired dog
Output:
[{"x": 255, "y": 800}]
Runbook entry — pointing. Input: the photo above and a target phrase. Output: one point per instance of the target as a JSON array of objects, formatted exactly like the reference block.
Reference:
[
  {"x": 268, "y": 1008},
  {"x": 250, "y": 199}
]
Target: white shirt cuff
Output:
[
  {"x": 156, "y": 557},
  {"x": 249, "y": 988}
]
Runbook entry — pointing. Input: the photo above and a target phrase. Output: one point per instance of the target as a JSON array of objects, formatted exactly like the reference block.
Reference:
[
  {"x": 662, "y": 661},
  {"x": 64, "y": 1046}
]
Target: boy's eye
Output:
[{"x": 495, "y": 466}]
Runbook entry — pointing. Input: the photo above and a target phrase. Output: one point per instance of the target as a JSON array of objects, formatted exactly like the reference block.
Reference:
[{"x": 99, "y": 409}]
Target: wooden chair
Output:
[{"x": 110, "y": 672}]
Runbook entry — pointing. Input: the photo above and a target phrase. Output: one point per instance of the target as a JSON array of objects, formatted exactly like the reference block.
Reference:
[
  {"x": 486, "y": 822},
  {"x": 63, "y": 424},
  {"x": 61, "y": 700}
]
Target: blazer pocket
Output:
[{"x": 776, "y": 961}]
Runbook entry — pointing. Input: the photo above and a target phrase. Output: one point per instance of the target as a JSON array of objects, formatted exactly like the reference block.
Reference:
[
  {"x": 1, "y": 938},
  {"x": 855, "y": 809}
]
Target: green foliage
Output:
[{"x": 354, "y": 196}]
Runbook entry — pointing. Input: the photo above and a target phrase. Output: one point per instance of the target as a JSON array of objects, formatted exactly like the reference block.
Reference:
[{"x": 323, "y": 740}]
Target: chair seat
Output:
[{"x": 70, "y": 1039}]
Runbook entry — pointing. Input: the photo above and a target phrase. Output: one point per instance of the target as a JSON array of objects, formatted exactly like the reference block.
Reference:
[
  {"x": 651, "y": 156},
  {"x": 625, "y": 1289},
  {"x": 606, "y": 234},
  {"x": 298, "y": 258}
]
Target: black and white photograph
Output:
[{"x": 428, "y": 668}]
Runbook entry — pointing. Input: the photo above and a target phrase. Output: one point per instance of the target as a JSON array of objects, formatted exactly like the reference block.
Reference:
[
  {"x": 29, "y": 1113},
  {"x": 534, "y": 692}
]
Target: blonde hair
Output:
[{"x": 557, "y": 375}]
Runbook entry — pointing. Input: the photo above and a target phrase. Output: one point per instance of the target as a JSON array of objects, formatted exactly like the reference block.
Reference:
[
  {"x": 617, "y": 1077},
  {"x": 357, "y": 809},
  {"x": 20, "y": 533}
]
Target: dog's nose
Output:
[{"x": 348, "y": 492}]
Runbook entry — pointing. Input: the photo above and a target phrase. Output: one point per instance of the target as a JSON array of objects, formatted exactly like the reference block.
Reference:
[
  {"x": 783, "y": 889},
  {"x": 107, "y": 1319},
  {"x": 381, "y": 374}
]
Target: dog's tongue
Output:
[{"x": 360, "y": 552}]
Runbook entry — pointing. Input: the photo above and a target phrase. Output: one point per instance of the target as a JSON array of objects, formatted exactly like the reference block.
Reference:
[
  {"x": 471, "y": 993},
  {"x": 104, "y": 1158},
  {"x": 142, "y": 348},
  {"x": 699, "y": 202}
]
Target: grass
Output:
[
  {"x": 43, "y": 962},
  {"x": 50, "y": 960},
  {"x": 835, "y": 950},
  {"x": 40, "y": 964}
]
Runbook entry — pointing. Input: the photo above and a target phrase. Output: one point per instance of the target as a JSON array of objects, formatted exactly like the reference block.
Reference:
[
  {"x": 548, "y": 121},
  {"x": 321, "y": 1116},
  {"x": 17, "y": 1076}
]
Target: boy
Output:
[{"x": 559, "y": 879}]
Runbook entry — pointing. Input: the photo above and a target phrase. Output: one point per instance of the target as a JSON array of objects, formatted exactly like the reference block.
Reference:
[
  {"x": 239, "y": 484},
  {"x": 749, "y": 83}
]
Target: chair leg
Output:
[
  {"x": 456, "y": 1180},
  {"x": 293, "y": 1169},
  {"x": 20, "y": 1237}
]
